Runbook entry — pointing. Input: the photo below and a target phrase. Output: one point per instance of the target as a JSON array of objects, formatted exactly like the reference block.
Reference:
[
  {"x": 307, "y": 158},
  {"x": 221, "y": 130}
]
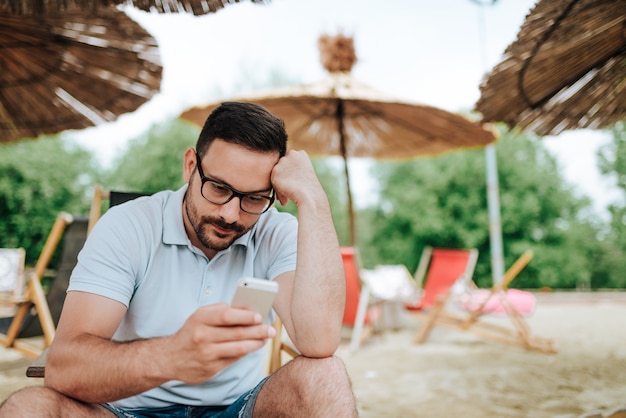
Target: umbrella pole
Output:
[
  {"x": 350, "y": 208},
  {"x": 344, "y": 154}
]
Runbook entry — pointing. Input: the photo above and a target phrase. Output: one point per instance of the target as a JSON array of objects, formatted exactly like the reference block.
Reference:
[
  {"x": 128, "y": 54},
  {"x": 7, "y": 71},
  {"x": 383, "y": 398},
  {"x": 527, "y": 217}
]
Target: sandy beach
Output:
[{"x": 458, "y": 374}]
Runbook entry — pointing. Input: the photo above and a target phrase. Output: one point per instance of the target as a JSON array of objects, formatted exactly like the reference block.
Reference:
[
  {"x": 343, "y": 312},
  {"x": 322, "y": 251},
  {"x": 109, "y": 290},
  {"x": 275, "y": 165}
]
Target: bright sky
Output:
[{"x": 433, "y": 52}]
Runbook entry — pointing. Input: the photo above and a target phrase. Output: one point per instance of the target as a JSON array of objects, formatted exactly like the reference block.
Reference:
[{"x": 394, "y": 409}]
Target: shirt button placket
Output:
[{"x": 206, "y": 286}]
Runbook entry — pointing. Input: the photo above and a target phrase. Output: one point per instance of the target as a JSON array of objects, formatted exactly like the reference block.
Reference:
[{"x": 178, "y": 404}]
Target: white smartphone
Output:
[{"x": 256, "y": 295}]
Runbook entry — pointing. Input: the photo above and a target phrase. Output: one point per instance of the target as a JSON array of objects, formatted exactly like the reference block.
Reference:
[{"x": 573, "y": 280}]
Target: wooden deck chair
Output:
[
  {"x": 74, "y": 237},
  {"x": 29, "y": 294},
  {"x": 438, "y": 270},
  {"x": 360, "y": 313},
  {"x": 114, "y": 197},
  {"x": 11, "y": 279},
  {"x": 72, "y": 242},
  {"x": 37, "y": 368},
  {"x": 280, "y": 347},
  {"x": 475, "y": 320}
]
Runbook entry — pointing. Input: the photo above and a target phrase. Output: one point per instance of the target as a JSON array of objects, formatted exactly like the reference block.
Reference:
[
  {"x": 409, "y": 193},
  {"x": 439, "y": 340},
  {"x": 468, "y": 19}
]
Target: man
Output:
[{"x": 146, "y": 329}]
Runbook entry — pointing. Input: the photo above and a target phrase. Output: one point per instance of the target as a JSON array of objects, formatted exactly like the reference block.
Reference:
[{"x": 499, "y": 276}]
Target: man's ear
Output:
[{"x": 189, "y": 163}]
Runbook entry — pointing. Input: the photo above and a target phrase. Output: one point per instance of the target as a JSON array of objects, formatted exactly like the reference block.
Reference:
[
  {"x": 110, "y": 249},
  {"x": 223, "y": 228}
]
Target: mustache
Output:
[{"x": 224, "y": 225}]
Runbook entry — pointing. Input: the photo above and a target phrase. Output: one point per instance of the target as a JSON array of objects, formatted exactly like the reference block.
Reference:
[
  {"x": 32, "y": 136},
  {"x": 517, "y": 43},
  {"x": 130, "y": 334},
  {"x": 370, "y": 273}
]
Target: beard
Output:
[{"x": 201, "y": 226}]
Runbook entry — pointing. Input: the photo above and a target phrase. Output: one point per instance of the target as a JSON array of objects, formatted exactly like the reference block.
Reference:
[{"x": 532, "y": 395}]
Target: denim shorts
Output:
[{"x": 241, "y": 408}]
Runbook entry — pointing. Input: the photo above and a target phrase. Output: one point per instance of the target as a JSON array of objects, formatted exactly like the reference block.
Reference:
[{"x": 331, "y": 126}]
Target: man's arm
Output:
[
  {"x": 85, "y": 364},
  {"x": 311, "y": 300}
]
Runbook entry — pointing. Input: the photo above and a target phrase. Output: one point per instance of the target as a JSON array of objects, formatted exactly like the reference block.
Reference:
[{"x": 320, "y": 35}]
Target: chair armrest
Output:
[{"x": 38, "y": 367}]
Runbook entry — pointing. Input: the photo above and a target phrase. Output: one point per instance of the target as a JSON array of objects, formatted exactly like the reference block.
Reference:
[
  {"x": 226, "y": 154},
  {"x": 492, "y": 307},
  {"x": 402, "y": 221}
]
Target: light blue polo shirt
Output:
[{"x": 139, "y": 254}]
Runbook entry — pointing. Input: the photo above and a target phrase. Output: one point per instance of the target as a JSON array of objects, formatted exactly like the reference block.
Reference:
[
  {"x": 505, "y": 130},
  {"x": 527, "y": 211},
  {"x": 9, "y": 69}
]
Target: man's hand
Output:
[
  {"x": 293, "y": 178},
  {"x": 214, "y": 337}
]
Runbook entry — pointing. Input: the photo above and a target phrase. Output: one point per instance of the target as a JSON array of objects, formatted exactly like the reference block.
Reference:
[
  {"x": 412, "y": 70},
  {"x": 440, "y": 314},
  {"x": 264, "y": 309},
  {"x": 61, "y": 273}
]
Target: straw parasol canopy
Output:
[
  {"x": 72, "y": 72},
  {"x": 62, "y": 7},
  {"x": 566, "y": 70},
  {"x": 342, "y": 116}
]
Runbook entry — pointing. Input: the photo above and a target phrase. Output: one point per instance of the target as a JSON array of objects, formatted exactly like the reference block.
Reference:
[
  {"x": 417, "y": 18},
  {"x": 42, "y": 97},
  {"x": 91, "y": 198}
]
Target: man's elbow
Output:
[
  {"x": 58, "y": 377},
  {"x": 321, "y": 347}
]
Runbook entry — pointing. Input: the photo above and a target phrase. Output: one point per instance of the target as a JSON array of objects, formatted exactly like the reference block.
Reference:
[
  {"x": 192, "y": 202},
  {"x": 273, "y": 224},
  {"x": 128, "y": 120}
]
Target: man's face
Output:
[{"x": 213, "y": 227}]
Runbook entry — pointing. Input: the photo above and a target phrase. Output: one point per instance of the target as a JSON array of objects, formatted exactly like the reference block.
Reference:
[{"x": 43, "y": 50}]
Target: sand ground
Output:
[{"x": 457, "y": 374}]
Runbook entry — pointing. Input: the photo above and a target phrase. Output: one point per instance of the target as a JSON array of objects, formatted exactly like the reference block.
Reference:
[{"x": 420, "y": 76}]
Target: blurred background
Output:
[{"x": 560, "y": 195}]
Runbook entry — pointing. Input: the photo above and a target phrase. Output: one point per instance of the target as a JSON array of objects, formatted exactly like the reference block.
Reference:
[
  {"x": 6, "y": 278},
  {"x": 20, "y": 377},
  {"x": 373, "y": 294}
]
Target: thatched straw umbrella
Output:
[
  {"x": 61, "y": 7},
  {"x": 341, "y": 116},
  {"x": 72, "y": 72},
  {"x": 72, "y": 64},
  {"x": 566, "y": 70}
]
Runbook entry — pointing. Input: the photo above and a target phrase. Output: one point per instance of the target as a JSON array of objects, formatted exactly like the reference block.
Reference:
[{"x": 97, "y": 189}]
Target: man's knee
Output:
[
  {"x": 31, "y": 401},
  {"x": 324, "y": 365},
  {"x": 18, "y": 400},
  {"x": 318, "y": 373},
  {"x": 315, "y": 387},
  {"x": 329, "y": 368}
]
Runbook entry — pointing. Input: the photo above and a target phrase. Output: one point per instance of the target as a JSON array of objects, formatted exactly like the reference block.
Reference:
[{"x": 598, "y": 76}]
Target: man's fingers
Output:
[
  {"x": 236, "y": 349},
  {"x": 238, "y": 333},
  {"x": 282, "y": 199},
  {"x": 222, "y": 355},
  {"x": 223, "y": 315}
]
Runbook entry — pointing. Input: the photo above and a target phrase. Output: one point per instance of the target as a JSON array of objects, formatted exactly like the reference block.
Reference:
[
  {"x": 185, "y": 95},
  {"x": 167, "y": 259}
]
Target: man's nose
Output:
[{"x": 231, "y": 211}]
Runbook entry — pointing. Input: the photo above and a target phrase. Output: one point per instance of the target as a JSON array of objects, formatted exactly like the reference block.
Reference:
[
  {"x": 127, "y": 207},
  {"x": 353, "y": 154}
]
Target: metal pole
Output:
[
  {"x": 493, "y": 191},
  {"x": 495, "y": 224}
]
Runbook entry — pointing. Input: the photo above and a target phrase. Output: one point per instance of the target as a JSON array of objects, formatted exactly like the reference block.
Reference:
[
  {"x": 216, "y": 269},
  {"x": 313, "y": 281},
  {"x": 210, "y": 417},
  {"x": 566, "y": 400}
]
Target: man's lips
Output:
[
  {"x": 222, "y": 231},
  {"x": 222, "y": 228}
]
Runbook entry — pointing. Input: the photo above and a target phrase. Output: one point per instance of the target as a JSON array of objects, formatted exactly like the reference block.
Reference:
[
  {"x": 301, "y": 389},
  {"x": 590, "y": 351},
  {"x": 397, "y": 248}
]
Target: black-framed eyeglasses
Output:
[{"x": 254, "y": 203}]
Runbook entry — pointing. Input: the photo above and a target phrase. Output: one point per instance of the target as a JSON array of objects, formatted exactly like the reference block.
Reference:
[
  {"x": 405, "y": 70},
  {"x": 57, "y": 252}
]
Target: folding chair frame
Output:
[
  {"x": 520, "y": 335},
  {"x": 278, "y": 347},
  {"x": 34, "y": 295}
]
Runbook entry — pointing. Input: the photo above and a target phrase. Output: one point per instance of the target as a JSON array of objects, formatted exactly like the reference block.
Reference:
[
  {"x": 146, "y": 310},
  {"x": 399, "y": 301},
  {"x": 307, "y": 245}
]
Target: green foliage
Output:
[
  {"x": 154, "y": 161},
  {"x": 442, "y": 202},
  {"x": 613, "y": 163},
  {"x": 38, "y": 179},
  {"x": 613, "y": 156}
]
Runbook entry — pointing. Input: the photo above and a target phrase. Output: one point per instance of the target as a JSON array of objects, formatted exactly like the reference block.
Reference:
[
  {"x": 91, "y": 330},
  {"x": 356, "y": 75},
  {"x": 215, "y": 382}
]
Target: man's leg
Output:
[
  {"x": 37, "y": 401},
  {"x": 307, "y": 387}
]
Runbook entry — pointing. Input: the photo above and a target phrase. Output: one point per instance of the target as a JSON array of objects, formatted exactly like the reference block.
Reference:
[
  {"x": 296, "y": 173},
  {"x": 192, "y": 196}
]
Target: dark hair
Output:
[{"x": 246, "y": 124}]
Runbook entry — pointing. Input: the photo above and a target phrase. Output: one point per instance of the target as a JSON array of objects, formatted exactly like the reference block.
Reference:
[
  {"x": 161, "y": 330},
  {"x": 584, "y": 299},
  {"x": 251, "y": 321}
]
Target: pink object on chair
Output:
[
  {"x": 521, "y": 300},
  {"x": 512, "y": 303}
]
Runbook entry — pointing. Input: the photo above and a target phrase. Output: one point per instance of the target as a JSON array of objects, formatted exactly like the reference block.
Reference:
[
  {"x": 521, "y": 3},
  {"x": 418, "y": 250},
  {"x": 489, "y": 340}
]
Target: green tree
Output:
[
  {"x": 612, "y": 162},
  {"x": 154, "y": 161},
  {"x": 441, "y": 202},
  {"x": 38, "y": 179}
]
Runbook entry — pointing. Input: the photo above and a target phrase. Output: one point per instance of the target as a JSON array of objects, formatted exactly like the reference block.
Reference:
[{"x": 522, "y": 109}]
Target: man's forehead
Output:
[
  {"x": 219, "y": 144},
  {"x": 239, "y": 167}
]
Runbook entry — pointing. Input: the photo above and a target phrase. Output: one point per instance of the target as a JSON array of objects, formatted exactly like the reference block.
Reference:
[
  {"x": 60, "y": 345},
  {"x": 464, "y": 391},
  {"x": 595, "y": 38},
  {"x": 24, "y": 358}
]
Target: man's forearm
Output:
[
  {"x": 95, "y": 370},
  {"x": 319, "y": 289}
]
